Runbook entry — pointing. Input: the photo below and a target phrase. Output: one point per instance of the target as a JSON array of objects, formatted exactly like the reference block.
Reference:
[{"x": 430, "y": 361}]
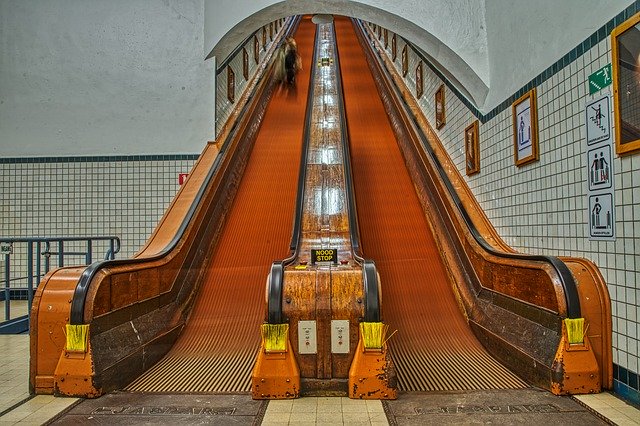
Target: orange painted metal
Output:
[
  {"x": 575, "y": 369},
  {"x": 74, "y": 375},
  {"x": 596, "y": 309},
  {"x": 276, "y": 375},
  {"x": 49, "y": 314},
  {"x": 372, "y": 375}
]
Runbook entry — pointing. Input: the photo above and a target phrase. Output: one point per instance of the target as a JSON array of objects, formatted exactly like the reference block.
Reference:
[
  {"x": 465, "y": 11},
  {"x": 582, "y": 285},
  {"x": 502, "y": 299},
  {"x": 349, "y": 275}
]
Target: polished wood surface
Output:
[
  {"x": 325, "y": 291},
  {"x": 434, "y": 348}
]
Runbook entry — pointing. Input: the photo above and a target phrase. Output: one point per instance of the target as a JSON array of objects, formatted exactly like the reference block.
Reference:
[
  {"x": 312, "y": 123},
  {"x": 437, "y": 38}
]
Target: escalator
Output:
[
  {"x": 217, "y": 344},
  {"x": 464, "y": 303},
  {"x": 433, "y": 349},
  {"x": 181, "y": 327},
  {"x": 217, "y": 348}
]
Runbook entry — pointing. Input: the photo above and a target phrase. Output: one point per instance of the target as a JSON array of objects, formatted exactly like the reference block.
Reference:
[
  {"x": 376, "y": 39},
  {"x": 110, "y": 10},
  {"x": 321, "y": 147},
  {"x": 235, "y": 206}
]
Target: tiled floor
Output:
[
  {"x": 14, "y": 380},
  {"x": 17, "y": 308},
  {"x": 14, "y": 366},
  {"x": 611, "y": 408},
  {"x": 325, "y": 411}
]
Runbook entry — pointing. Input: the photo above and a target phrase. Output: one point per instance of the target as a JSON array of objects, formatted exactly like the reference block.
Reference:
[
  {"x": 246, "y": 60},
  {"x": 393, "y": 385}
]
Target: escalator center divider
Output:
[
  {"x": 370, "y": 274},
  {"x": 324, "y": 297},
  {"x": 276, "y": 275}
]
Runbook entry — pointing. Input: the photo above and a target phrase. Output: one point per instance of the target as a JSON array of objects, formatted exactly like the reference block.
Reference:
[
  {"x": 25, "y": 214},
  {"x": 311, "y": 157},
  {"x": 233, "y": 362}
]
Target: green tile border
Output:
[
  {"x": 99, "y": 158},
  {"x": 591, "y": 41}
]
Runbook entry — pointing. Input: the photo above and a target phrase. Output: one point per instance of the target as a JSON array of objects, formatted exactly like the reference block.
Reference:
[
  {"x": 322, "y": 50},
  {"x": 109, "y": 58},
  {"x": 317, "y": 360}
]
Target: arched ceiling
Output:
[
  {"x": 488, "y": 49},
  {"x": 459, "y": 53}
]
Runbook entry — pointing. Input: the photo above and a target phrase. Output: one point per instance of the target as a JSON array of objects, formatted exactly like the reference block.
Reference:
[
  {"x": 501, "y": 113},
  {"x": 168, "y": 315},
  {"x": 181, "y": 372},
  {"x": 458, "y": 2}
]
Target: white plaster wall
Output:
[
  {"x": 489, "y": 48},
  {"x": 459, "y": 24},
  {"x": 88, "y": 77},
  {"x": 526, "y": 37},
  {"x": 456, "y": 23},
  {"x": 451, "y": 32}
]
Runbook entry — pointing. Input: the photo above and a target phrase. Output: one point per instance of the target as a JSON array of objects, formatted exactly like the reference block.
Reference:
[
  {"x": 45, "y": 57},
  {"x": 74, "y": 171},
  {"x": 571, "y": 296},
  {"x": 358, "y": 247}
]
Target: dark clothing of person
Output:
[{"x": 290, "y": 65}]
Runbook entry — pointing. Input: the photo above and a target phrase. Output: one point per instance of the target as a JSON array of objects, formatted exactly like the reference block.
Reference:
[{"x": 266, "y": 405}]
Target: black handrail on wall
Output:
[
  {"x": 82, "y": 288},
  {"x": 564, "y": 274}
]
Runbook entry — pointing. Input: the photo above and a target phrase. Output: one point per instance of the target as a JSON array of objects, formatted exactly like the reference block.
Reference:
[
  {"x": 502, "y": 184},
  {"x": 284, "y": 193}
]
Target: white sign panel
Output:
[
  {"x": 598, "y": 121},
  {"x": 523, "y": 120},
  {"x": 6, "y": 248},
  {"x": 600, "y": 160},
  {"x": 601, "y": 217},
  {"x": 599, "y": 163},
  {"x": 340, "y": 336},
  {"x": 307, "y": 340}
]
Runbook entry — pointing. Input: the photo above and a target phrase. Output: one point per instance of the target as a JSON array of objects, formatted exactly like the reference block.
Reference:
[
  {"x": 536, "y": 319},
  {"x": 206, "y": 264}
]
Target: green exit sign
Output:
[{"x": 600, "y": 79}]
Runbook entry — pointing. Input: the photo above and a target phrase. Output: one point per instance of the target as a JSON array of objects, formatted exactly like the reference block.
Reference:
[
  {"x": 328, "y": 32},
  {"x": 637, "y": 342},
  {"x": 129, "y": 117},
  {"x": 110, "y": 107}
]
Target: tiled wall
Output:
[
  {"x": 86, "y": 196},
  {"x": 541, "y": 208},
  {"x": 121, "y": 196}
]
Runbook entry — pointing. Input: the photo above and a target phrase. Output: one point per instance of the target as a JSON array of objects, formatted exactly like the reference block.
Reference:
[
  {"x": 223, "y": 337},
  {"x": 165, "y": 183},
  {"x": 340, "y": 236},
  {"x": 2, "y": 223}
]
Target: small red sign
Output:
[{"x": 182, "y": 177}]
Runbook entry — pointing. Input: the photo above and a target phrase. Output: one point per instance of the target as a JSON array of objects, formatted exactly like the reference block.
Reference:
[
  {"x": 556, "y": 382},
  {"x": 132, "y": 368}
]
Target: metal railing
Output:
[{"x": 24, "y": 261}]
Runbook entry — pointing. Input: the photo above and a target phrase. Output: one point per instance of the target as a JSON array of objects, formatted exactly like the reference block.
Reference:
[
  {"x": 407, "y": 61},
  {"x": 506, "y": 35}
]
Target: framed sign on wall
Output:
[
  {"x": 625, "y": 47},
  {"x": 256, "y": 49},
  {"x": 419, "y": 82},
  {"x": 245, "y": 63},
  {"x": 405, "y": 61},
  {"x": 472, "y": 148},
  {"x": 440, "y": 112},
  {"x": 525, "y": 129},
  {"x": 394, "y": 48},
  {"x": 231, "y": 85}
]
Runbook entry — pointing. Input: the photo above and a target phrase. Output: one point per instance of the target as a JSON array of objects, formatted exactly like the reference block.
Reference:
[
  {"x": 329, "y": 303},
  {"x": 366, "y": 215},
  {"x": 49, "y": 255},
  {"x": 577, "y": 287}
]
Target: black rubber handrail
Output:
[
  {"x": 369, "y": 273},
  {"x": 276, "y": 276},
  {"x": 82, "y": 288},
  {"x": 564, "y": 274}
]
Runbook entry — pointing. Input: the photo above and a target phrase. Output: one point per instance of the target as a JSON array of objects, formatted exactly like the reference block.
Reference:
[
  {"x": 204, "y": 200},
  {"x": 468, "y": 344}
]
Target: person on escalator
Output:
[
  {"x": 292, "y": 60},
  {"x": 288, "y": 62}
]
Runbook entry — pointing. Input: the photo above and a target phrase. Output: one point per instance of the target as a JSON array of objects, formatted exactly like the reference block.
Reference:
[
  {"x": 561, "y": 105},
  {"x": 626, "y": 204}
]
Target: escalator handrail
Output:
[
  {"x": 565, "y": 277},
  {"x": 276, "y": 276},
  {"x": 82, "y": 287},
  {"x": 369, "y": 272}
]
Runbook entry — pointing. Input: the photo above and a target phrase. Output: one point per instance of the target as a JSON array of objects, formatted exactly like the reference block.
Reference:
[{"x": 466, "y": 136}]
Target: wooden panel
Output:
[
  {"x": 300, "y": 304},
  {"x": 124, "y": 291},
  {"x": 346, "y": 304}
]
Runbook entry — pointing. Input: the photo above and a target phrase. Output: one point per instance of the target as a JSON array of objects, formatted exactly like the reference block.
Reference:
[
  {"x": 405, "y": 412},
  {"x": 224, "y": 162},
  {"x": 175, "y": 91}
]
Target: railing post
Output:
[
  {"x": 7, "y": 293},
  {"x": 47, "y": 257},
  {"x": 38, "y": 264},
  {"x": 112, "y": 255},
  {"x": 60, "y": 253},
  {"x": 87, "y": 256},
  {"x": 29, "y": 276}
]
